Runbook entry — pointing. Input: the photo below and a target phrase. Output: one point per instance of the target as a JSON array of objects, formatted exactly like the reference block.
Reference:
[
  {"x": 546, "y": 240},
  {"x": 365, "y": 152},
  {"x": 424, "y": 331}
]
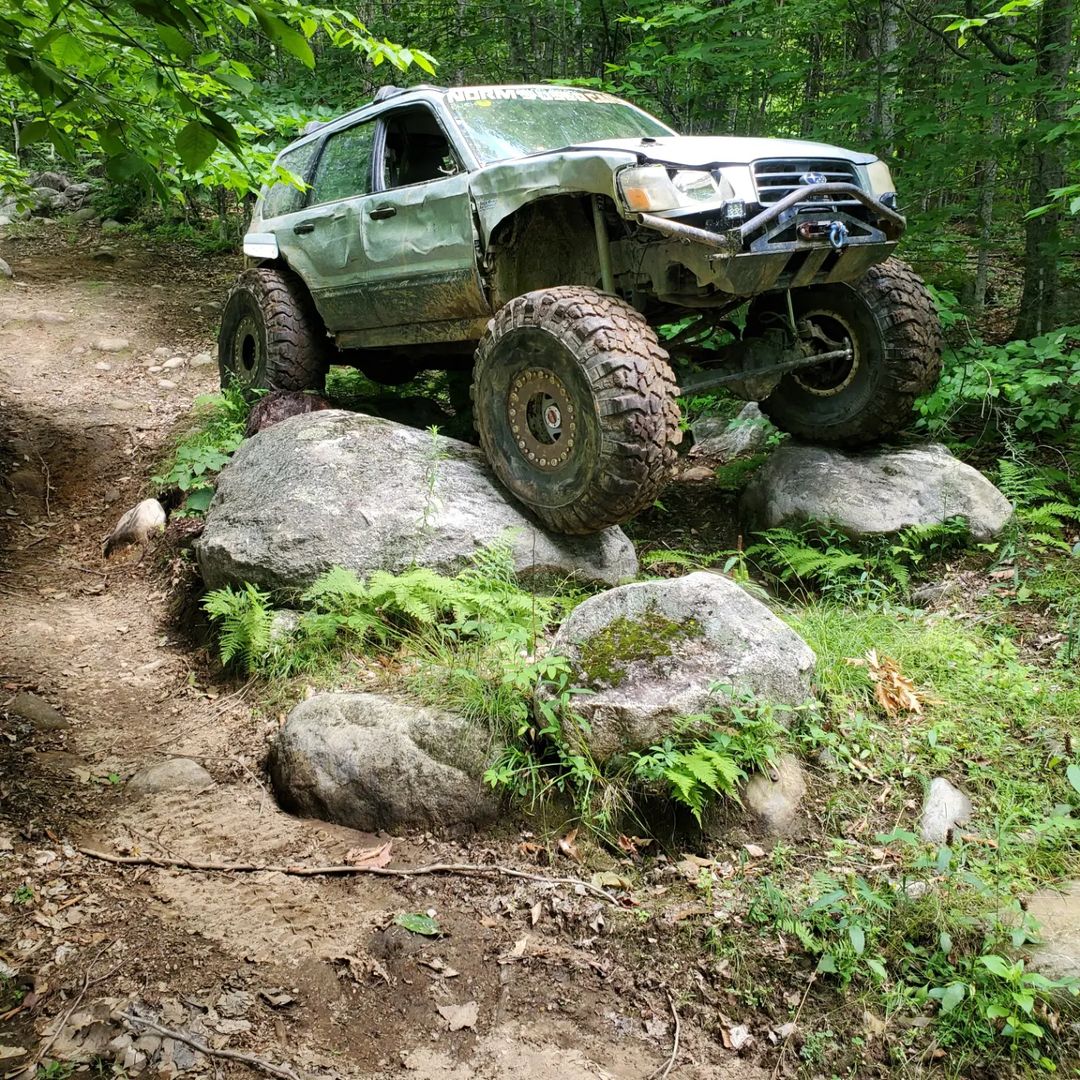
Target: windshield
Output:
[{"x": 501, "y": 122}]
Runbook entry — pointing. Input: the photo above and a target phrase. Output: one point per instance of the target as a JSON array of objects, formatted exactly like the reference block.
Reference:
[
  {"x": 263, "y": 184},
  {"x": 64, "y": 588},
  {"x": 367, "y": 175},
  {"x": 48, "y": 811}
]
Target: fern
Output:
[
  {"x": 693, "y": 775},
  {"x": 245, "y": 619},
  {"x": 1042, "y": 514}
]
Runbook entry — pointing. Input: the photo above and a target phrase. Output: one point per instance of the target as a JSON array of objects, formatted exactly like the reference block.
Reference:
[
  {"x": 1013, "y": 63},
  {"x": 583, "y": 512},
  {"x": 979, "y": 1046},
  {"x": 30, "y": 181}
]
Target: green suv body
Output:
[{"x": 535, "y": 235}]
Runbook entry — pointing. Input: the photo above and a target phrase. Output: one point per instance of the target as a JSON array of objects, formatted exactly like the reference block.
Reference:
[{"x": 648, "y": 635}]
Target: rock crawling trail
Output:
[{"x": 305, "y": 971}]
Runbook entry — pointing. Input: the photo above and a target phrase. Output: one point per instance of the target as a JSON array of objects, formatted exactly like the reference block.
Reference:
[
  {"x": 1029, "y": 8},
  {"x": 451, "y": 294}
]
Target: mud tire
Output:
[
  {"x": 618, "y": 399},
  {"x": 898, "y": 340},
  {"x": 271, "y": 336}
]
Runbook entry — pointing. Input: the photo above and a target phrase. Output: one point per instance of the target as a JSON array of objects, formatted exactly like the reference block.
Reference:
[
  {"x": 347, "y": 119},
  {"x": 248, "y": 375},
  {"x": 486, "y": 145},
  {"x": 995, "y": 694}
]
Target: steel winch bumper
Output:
[{"x": 788, "y": 245}]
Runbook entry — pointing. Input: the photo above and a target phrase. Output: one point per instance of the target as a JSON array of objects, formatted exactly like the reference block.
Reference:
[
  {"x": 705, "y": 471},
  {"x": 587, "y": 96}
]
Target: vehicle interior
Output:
[{"x": 417, "y": 150}]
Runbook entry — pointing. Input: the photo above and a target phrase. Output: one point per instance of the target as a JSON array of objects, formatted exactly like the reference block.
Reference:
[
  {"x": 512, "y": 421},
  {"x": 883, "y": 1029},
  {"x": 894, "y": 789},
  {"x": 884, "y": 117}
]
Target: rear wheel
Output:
[
  {"x": 575, "y": 406},
  {"x": 271, "y": 336},
  {"x": 888, "y": 322}
]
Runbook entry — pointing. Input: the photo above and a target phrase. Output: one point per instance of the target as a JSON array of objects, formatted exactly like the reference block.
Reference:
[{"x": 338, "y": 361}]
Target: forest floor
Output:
[{"x": 311, "y": 971}]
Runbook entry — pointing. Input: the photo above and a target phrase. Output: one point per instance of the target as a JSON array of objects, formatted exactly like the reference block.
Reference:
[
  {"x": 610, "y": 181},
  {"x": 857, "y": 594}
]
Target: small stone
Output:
[
  {"x": 104, "y": 255},
  {"x": 174, "y": 363},
  {"x": 52, "y": 318},
  {"x": 775, "y": 803},
  {"x": 38, "y": 711},
  {"x": 121, "y": 404},
  {"x": 102, "y": 366},
  {"x": 110, "y": 496},
  {"x": 112, "y": 344},
  {"x": 934, "y": 592},
  {"x": 162, "y": 351},
  {"x": 85, "y": 213},
  {"x": 166, "y": 384},
  {"x": 203, "y": 359},
  {"x": 176, "y": 774},
  {"x": 111, "y": 225},
  {"x": 5, "y": 269},
  {"x": 697, "y": 474},
  {"x": 945, "y": 807}
]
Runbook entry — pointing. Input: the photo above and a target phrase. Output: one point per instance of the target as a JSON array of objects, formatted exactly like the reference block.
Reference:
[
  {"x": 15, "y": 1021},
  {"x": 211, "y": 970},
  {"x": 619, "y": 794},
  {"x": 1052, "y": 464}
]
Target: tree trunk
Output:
[
  {"x": 1043, "y": 233},
  {"x": 988, "y": 171}
]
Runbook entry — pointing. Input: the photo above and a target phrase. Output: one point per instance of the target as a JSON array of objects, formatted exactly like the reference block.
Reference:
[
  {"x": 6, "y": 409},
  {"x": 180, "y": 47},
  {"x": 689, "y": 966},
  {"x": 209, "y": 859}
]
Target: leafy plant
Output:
[
  {"x": 205, "y": 450},
  {"x": 692, "y": 774},
  {"x": 244, "y": 619},
  {"x": 824, "y": 559}
]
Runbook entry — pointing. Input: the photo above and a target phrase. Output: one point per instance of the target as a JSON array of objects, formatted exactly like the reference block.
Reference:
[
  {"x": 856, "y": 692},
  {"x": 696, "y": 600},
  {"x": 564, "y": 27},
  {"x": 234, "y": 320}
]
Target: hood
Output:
[{"x": 728, "y": 149}]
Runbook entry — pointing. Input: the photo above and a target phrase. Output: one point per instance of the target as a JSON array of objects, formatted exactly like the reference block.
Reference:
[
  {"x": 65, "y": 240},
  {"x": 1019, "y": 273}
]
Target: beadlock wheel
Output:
[
  {"x": 574, "y": 403},
  {"x": 271, "y": 336},
  {"x": 896, "y": 342}
]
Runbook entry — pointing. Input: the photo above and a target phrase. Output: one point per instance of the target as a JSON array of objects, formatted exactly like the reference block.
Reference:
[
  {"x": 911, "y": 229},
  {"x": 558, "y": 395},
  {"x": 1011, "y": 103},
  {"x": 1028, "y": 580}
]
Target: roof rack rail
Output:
[{"x": 385, "y": 93}]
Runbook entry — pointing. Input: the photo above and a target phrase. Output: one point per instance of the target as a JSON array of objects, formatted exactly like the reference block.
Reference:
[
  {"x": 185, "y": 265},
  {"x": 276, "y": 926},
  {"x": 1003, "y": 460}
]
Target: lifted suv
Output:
[{"x": 534, "y": 235}]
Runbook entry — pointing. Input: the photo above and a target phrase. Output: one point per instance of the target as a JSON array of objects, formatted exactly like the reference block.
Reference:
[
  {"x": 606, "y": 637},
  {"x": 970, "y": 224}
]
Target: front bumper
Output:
[{"x": 778, "y": 248}]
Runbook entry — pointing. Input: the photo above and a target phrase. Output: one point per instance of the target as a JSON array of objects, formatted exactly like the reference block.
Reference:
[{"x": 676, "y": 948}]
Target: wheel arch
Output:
[{"x": 546, "y": 241}]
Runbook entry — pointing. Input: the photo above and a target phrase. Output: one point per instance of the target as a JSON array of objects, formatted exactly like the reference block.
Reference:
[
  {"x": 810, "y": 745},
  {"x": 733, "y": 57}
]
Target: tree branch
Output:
[{"x": 467, "y": 869}]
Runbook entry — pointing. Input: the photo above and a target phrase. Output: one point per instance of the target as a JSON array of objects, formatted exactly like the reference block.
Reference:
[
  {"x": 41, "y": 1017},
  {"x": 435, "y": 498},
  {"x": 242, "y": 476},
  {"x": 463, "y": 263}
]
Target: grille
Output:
[{"x": 775, "y": 177}]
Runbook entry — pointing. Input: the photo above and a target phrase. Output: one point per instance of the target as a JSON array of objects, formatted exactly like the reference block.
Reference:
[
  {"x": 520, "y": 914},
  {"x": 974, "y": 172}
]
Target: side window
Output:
[
  {"x": 284, "y": 198},
  {"x": 344, "y": 170},
  {"x": 416, "y": 149}
]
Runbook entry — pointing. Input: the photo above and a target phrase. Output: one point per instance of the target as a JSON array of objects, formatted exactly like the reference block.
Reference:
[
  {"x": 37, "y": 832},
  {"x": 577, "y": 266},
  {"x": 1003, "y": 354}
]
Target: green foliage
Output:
[
  {"x": 164, "y": 92},
  {"x": 341, "y": 612},
  {"x": 418, "y": 923},
  {"x": 825, "y": 560},
  {"x": 692, "y": 775},
  {"x": 1026, "y": 387},
  {"x": 244, "y": 619},
  {"x": 1043, "y": 513},
  {"x": 205, "y": 450}
]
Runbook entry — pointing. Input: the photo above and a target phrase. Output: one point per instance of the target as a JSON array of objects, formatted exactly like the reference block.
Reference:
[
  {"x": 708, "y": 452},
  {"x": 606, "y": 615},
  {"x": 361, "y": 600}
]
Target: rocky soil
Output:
[{"x": 99, "y": 357}]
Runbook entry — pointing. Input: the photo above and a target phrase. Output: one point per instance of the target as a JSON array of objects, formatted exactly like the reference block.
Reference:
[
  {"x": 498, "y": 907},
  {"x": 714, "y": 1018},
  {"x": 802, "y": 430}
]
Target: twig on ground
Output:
[
  {"x": 229, "y": 1055},
  {"x": 662, "y": 1075},
  {"x": 345, "y": 870},
  {"x": 794, "y": 1024}
]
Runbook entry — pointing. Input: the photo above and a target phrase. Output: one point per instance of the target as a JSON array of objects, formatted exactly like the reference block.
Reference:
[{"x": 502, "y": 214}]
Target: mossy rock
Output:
[{"x": 652, "y": 653}]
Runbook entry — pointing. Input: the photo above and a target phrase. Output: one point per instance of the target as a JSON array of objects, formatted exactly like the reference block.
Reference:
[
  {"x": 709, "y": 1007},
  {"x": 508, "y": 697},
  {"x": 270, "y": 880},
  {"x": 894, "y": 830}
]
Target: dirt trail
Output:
[{"x": 307, "y": 971}]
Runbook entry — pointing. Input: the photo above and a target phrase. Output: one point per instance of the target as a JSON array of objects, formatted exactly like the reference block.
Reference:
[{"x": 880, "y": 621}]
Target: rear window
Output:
[{"x": 284, "y": 198}]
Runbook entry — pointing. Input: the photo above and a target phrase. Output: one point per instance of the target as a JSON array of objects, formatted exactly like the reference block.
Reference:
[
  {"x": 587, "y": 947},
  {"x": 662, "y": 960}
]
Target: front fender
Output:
[{"x": 501, "y": 189}]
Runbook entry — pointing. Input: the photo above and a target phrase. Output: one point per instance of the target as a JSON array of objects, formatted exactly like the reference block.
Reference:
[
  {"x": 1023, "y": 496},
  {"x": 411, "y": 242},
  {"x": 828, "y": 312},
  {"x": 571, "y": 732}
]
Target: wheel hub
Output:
[
  {"x": 246, "y": 349},
  {"x": 826, "y": 332},
  {"x": 542, "y": 418}
]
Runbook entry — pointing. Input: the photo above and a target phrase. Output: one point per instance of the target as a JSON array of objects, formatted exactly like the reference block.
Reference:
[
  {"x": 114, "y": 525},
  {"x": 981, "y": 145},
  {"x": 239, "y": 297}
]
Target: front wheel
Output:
[
  {"x": 271, "y": 336},
  {"x": 888, "y": 320},
  {"x": 574, "y": 403}
]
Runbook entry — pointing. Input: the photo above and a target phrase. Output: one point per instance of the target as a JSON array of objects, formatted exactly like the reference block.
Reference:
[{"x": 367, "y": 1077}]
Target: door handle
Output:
[
  {"x": 384, "y": 211},
  {"x": 304, "y": 227}
]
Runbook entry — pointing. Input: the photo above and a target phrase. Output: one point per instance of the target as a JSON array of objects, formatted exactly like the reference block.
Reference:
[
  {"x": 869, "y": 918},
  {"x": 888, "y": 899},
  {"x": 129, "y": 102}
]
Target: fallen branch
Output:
[
  {"x": 345, "y": 870},
  {"x": 229, "y": 1055},
  {"x": 674, "y": 1043}
]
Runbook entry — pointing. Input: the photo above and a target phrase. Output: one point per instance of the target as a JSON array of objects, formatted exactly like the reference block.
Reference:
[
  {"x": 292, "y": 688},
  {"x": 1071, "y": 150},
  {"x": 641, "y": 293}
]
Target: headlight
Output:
[
  {"x": 881, "y": 181},
  {"x": 648, "y": 188}
]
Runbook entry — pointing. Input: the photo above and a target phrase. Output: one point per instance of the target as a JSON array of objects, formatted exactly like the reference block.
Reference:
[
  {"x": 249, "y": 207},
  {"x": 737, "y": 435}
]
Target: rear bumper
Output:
[{"x": 768, "y": 252}]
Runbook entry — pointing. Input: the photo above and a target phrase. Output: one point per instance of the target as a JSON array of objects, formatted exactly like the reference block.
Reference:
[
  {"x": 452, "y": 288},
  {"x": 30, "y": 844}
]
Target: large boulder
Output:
[
  {"x": 873, "y": 493},
  {"x": 650, "y": 653},
  {"x": 372, "y": 762},
  {"x": 338, "y": 488}
]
